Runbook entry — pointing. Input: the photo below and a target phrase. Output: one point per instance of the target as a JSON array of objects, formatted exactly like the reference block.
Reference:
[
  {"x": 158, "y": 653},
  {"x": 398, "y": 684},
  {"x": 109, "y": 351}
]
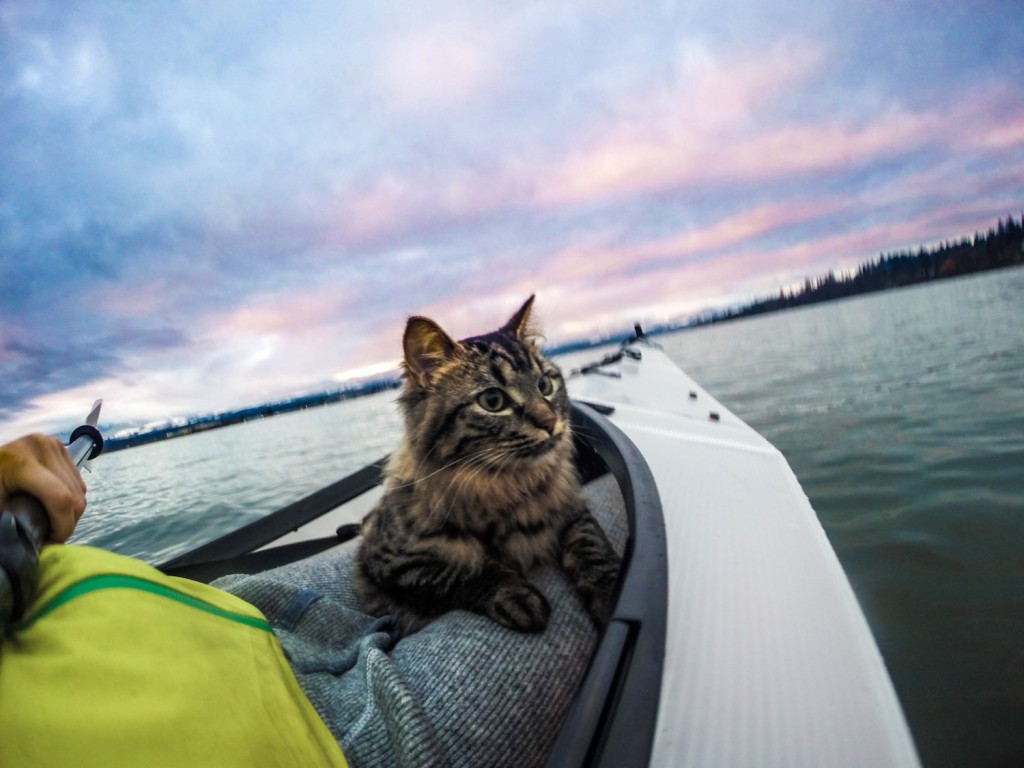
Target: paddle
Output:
[{"x": 24, "y": 526}]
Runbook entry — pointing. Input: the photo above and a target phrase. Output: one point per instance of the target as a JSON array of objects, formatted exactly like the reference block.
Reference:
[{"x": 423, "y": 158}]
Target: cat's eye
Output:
[
  {"x": 546, "y": 385},
  {"x": 492, "y": 399}
]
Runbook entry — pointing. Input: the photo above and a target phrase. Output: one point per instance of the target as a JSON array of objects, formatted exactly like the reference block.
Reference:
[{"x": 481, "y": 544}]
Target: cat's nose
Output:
[{"x": 544, "y": 418}]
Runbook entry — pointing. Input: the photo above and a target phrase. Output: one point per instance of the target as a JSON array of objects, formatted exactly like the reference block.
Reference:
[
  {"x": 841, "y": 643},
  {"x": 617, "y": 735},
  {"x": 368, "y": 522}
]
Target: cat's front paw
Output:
[
  {"x": 595, "y": 601},
  {"x": 520, "y": 606}
]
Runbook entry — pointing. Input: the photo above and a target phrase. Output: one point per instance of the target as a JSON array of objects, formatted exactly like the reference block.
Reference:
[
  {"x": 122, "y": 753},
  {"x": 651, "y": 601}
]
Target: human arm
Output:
[{"x": 41, "y": 467}]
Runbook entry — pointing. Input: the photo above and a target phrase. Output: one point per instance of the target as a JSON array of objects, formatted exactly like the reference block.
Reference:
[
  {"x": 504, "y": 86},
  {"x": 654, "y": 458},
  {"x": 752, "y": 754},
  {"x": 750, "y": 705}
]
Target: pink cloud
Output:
[
  {"x": 716, "y": 123},
  {"x": 602, "y": 281},
  {"x": 367, "y": 213},
  {"x": 438, "y": 66},
  {"x": 284, "y": 312},
  {"x": 660, "y": 137},
  {"x": 646, "y": 165},
  {"x": 1005, "y": 135},
  {"x": 726, "y": 127},
  {"x": 606, "y": 256},
  {"x": 830, "y": 147},
  {"x": 684, "y": 132},
  {"x": 741, "y": 228},
  {"x": 393, "y": 207}
]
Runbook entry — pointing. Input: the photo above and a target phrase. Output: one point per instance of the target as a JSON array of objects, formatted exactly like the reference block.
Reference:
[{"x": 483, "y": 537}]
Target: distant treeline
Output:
[{"x": 1002, "y": 246}]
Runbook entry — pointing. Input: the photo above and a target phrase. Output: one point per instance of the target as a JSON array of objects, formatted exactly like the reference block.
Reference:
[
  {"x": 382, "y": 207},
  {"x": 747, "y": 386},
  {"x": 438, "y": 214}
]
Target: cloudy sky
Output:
[{"x": 212, "y": 204}]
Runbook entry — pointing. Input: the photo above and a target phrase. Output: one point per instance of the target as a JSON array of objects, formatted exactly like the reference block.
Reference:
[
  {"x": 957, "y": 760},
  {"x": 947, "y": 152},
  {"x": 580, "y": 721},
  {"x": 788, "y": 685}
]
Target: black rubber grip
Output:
[
  {"x": 23, "y": 528},
  {"x": 88, "y": 430}
]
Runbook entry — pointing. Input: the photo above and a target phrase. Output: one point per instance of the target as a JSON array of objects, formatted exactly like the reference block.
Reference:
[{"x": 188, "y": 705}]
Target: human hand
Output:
[{"x": 41, "y": 467}]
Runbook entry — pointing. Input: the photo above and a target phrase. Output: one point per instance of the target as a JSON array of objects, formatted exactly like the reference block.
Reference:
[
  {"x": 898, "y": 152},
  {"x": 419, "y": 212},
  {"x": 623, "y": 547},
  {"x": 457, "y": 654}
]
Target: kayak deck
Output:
[{"x": 769, "y": 659}]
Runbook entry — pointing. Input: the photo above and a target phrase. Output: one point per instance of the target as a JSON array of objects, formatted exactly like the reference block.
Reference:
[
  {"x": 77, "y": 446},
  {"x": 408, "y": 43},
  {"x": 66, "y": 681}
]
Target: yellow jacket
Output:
[{"x": 116, "y": 664}]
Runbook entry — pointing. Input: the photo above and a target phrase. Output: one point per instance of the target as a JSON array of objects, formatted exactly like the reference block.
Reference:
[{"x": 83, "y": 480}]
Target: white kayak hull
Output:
[{"x": 769, "y": 658}]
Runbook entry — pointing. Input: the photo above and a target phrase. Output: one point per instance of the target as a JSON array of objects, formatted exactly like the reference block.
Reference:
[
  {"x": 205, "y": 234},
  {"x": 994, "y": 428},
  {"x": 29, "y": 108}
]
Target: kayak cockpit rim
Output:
[{"x": 613, "y": 717}]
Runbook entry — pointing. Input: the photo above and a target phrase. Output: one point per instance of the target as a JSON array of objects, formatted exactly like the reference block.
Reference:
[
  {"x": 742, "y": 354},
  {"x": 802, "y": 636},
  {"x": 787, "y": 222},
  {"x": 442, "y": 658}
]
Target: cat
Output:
[{"x": 483, "y": 487}]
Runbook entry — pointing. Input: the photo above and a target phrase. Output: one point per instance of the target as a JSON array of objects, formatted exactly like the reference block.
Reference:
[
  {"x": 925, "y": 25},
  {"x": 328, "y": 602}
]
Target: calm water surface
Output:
[
  {"x": 159, "y": 500},
  {"x": 902, "y": 413}
]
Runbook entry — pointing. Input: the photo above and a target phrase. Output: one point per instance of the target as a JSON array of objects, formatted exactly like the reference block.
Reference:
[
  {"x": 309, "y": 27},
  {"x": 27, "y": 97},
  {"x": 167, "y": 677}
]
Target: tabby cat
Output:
[{"x": 483, "y": 487}]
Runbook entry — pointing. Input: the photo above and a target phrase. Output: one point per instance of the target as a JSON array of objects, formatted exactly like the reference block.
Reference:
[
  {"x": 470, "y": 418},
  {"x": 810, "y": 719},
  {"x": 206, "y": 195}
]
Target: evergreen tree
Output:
[{"x": 1002, "y": 246}]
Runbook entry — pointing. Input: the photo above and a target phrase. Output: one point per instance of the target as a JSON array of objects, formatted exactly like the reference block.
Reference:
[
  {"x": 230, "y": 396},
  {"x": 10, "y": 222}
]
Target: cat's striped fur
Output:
[{"x": 483, "y": 487}]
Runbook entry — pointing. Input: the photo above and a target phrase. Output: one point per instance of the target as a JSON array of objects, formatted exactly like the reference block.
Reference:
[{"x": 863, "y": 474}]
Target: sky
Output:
[{"x": 207, "y": 205}]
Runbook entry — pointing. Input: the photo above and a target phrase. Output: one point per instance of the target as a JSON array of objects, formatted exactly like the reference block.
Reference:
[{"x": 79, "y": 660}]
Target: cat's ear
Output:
[
  {"x": 427, "y": 348},
  {"x": 518, "y": 324}
]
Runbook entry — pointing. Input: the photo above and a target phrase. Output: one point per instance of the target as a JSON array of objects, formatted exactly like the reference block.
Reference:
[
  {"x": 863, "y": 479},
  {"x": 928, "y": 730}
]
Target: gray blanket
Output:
[{"x": 461, "y": 692}]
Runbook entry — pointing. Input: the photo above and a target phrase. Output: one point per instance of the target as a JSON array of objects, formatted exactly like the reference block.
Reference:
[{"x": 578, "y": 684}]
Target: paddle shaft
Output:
[{"x": 24, "y": 526}]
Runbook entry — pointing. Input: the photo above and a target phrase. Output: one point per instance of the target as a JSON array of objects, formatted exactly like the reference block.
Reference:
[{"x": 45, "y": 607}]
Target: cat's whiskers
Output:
[
  {"x": 449, "y": 465},
  {"x": 460, "y": 464},
  {"x": 462, "y": 476},
  {"x": 421, "y": 462},
  {"x": 466, "y": 477}
]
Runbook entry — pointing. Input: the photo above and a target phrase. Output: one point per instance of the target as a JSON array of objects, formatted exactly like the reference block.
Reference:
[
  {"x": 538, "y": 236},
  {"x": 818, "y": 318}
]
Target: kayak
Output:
[{"x": 735, "y": 637}]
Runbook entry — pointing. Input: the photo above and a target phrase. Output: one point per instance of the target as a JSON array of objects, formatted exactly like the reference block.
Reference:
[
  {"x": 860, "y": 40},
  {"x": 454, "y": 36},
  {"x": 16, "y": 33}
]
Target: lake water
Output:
[{"x": 902, "y": 414}]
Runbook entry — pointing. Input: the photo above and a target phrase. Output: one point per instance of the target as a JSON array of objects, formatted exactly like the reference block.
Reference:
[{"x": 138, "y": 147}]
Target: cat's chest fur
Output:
[{"x": 513, "y": 517}]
